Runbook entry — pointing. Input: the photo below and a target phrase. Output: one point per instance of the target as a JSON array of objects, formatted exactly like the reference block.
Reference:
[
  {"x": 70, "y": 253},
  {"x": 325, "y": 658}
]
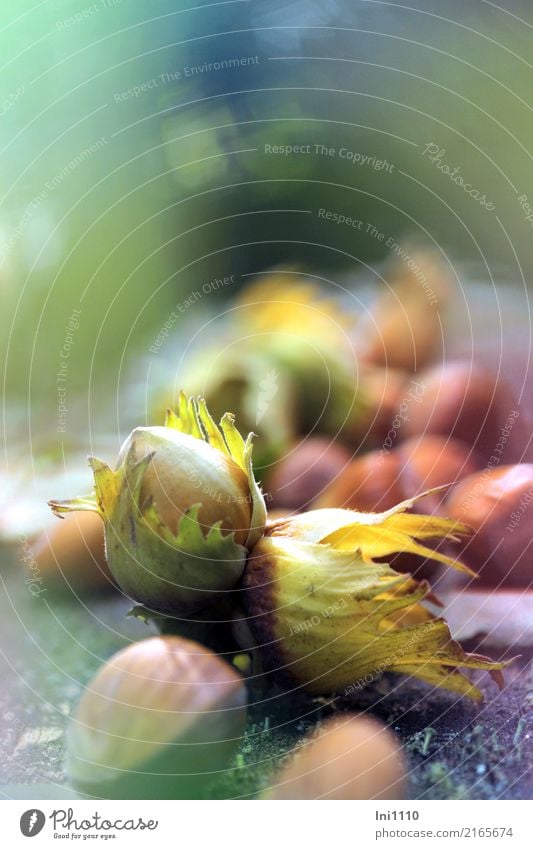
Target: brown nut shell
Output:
[
  {"x": 70, "y": 555},
  {"x": 498, "y": 505},
  {"x": 472, "y": 404},
  {"x": 302, "y": 475},
  {"x": 404, "y": 329},
  {"x": 351, "y": 757},
  {"x": 379, "y": 480},
  {"x": 369, "y": 483},
  {"x": 431, "y": 461},
  {"x": 158, "y": 720}
]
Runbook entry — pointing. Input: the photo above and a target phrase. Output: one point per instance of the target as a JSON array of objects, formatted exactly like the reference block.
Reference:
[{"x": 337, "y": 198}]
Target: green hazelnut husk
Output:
[{"x": 181, "y": 510}]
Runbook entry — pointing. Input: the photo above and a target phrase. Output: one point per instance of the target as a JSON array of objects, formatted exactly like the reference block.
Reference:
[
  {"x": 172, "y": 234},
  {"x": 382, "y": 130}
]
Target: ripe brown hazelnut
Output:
[
  {"x": 69, "y": 555},
  {"x": 404, "y": 329},
  {"x": 369, "y": 483},
  {"x": 351, "y": 757},
  {"x": 378, "y": 480},
  {"x": 381, "y": 395},
  {"x": 498, "y": 505},
  {"x": 302, "y": 475},
  {"x": 426, "y": 462},
  {"x": 158, "y": 720},
  {"x": 468, "y": 402}
]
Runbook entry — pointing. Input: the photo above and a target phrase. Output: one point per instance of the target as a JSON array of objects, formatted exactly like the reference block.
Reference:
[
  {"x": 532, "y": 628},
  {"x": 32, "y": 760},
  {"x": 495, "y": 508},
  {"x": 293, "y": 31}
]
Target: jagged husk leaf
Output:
[
  {"x": 103, "y": 499},
  {"x": 377, "y": 535},
  {"x": 171, "y": 572},
  {"x": 88, "y": 503},
  {"x": 194, "y": 418},
  {"x": 328, "y": 618}
]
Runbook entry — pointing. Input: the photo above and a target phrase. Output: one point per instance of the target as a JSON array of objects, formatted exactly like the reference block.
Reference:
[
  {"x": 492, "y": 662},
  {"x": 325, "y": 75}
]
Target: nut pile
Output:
[{"x": 329, "y": 590}]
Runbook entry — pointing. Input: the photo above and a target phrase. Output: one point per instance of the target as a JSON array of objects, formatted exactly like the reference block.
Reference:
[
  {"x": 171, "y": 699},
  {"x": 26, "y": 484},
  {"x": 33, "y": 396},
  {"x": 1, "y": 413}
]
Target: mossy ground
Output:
[{"x": 52, "y": 646}]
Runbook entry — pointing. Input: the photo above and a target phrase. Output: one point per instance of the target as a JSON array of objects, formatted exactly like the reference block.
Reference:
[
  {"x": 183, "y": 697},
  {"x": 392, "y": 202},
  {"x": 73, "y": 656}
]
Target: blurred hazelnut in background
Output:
[
  {"x": 498, "y": 505},
  {"x": 69, "y": 555},
  {"x": 380, "y": 479},
  {"x": 305, "y": 471},
  {"x": 426, "y": 462},
  {"x": 381, "y": 392},
  {"x": 404, "y": 329},
  {"x": 368, "y": 483},
  {"x": 351, "y": 757},
  {"x": 470, "y": 403}
]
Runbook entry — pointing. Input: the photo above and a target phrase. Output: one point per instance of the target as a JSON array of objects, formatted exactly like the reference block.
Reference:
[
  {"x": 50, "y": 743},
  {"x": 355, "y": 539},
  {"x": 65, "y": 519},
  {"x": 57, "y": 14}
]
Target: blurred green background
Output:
[{"x": 134, "y": 167}]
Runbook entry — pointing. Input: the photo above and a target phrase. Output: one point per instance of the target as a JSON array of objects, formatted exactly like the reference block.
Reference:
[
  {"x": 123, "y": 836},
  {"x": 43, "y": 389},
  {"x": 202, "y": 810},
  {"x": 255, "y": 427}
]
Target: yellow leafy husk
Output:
[{"x": 329, "y": 618}]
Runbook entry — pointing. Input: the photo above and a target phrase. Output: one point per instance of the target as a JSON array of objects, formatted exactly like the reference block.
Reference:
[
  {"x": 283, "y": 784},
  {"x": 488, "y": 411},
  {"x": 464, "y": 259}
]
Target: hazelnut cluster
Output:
[{"x": 396, "y": 472}]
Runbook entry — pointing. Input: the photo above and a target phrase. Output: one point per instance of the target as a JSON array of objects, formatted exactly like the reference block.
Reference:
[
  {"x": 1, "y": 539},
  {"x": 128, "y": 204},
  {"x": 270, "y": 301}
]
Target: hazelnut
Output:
[
  {"x": 158, "y": 720},
  {"x": 369, "y": 483},
  {"x": 498, "y": 505},
  {"x": 404, "y": 329},
  {"x": 181, "y": 509},
  {"x": 354, "y": 757},
  {"x": 469, "y": 403},
  {"x": 70, "y": 554},
  {"x": 306, "y": 471},
  {"x": 381, "y": 392},
  {"x": 328, "y": 614},
  {"x": 377, "y": 481},
  {"x": 426, "y": 462}
]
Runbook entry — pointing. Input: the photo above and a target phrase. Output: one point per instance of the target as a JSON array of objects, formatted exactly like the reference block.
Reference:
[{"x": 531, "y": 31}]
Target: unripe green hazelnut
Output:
[
  {"x": 328, "y": 613},
  {"x": 181, "y": 509}
]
